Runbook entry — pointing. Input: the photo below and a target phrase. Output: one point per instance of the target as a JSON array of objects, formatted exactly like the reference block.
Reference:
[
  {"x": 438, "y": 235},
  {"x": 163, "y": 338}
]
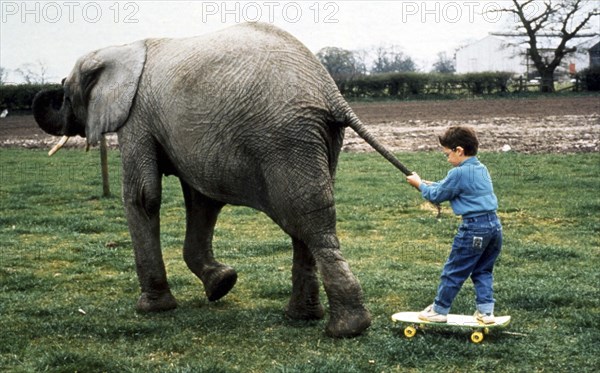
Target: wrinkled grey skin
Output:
[{"x": 245, "y": 116}]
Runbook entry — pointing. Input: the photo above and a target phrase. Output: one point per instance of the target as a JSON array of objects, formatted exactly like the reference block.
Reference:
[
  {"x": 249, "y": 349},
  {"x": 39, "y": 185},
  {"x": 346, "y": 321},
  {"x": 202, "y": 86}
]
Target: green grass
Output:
[{"x": 66, "y": 249}]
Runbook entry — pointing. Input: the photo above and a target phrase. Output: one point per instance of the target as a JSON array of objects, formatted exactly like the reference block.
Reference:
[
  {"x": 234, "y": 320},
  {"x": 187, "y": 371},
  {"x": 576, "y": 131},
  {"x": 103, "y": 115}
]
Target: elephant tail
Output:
[{"x": 352, "y": 121}]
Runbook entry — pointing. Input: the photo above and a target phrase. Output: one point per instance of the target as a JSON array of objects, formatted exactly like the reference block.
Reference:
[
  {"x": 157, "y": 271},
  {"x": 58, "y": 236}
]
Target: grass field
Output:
[{"x": 68, "y": 282}]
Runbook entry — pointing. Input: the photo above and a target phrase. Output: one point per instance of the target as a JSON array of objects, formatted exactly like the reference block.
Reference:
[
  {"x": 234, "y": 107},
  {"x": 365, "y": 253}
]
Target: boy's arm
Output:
[
  {"x": 438, "y": 192},
  {"x": 414, "y": 179}
]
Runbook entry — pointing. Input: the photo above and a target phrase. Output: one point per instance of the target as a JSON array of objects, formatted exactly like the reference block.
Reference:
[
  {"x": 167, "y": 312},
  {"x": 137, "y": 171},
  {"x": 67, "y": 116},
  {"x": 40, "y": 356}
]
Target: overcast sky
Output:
[{"x": 55, "y": 33}]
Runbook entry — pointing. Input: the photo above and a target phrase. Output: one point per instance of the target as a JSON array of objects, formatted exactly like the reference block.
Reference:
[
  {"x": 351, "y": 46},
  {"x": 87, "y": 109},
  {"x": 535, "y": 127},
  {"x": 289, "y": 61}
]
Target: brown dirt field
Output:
[{"x": 540, "y": 125}]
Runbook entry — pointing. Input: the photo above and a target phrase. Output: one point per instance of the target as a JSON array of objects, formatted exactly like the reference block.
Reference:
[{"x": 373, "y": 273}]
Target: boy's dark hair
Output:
[{"x": 465, "y": 137}]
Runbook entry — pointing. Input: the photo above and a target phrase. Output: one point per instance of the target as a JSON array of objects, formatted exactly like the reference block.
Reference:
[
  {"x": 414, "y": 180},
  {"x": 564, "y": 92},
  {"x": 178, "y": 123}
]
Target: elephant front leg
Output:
[
  {"x": 142, "y": 207},
  {"x": 304, "y": 303},
  {"x": 201, "y": 217}
]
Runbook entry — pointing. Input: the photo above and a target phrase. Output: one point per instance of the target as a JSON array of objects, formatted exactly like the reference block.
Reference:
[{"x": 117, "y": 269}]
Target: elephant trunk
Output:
[
  {"x": 48, "y": 111},
  {"x": 55, "y": 115}
]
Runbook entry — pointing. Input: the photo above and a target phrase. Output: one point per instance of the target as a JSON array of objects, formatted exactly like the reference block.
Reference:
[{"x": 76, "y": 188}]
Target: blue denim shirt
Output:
[{"x": 468, "y": 187}]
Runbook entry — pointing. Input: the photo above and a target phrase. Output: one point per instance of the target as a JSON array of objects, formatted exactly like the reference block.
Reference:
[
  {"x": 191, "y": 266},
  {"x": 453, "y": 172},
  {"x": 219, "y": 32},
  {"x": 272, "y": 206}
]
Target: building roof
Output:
[{"x": 595, "y": 47}]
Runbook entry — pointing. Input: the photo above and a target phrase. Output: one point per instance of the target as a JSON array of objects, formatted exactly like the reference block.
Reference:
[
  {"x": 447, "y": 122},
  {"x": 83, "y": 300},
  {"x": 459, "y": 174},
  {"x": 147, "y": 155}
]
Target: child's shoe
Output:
[
  {"x": 428, "y": 314},
  {"x": 486, "y": 318}
]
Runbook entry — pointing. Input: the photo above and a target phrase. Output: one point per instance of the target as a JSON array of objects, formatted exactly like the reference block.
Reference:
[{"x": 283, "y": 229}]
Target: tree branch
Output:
[{"x": 556, "y": 19}]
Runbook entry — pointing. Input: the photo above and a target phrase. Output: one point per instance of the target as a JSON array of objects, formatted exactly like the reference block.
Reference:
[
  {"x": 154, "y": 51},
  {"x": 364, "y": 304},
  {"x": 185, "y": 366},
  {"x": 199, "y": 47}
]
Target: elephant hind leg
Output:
[
  {"x": 348, "y": 317},
  {"x": 304, "y": 303},
  {"x": 310, "y": 217},
  {"x": 202, "y": 213},
  {"x": 219, "y": 281}
]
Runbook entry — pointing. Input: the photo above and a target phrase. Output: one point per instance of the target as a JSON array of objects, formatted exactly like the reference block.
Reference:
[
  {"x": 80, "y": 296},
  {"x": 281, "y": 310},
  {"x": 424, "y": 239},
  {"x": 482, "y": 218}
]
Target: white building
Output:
[
  {"x": 490, "y": 54},
  {"x": 494, "y": 53}
]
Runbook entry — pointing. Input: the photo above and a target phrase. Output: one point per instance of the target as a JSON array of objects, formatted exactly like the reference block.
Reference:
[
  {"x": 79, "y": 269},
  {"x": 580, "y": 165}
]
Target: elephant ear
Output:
[{"x": 109, "y": 82}]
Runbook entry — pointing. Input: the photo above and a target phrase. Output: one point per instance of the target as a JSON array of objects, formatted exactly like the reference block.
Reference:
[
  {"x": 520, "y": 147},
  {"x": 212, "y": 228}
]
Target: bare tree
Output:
[
  {"x": 559, "y": 20},
  {"x": 34, "y": 73},
  {"x": 342, "y": 64},
  {"x": 3, "y": 75},
  {"x": 391, "y": 59},
  {"x": 444, "y": 64}
]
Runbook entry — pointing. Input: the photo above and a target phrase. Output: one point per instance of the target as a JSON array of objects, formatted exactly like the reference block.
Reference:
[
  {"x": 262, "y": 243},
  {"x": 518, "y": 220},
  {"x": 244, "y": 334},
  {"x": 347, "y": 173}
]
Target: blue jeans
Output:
[{"x": 474, "y": 251}]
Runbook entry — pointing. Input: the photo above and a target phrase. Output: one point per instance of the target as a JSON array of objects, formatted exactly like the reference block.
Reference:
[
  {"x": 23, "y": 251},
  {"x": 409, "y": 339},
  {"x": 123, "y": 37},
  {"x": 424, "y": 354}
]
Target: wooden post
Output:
[{"x": 104, "y": 167}]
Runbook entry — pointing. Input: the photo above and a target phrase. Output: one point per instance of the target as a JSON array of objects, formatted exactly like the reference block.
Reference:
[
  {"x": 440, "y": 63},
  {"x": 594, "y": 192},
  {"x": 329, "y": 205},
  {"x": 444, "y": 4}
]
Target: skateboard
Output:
[{"x": 413, "y": 323}]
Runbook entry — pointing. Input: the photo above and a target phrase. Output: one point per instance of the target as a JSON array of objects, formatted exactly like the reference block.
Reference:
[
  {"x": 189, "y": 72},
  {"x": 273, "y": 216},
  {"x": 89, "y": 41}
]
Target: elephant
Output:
[{"x": 243, "y": 116}]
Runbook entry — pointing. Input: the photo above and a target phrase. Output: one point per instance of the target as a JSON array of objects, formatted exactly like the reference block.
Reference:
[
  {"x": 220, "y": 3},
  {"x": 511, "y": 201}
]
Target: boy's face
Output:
[{"x": 455, "y": 156}]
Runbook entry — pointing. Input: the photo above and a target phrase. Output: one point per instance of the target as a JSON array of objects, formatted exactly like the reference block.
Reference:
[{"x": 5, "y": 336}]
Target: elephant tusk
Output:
[{"x": 59, "y": 145}]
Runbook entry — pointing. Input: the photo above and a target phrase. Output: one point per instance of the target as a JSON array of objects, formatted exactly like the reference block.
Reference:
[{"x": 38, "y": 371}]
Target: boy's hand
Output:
[{"x": 414, "y": 179}]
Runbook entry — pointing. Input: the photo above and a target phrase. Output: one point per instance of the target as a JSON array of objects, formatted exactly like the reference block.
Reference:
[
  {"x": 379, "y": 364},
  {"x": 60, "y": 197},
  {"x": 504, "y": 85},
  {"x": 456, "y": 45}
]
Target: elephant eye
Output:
[{"x": 67, "y": 92}]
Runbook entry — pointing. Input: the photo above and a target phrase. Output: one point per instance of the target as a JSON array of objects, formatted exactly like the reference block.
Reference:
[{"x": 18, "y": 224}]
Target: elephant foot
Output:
[
  {"x": 303, "y": 311},
  {"x": 348, "y": 323},
  {"x": 218, "y": 282},
  {"x": 156, "y": 302}
]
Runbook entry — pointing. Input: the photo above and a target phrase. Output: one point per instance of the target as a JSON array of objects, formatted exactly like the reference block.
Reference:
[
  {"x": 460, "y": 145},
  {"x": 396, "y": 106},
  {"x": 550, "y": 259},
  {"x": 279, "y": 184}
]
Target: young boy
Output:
[{"x": 477, "y": 244}]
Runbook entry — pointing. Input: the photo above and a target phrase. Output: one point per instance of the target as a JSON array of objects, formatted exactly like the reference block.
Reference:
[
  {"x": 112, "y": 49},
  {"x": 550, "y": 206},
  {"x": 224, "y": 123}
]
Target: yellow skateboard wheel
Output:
[
  {"x": 410, "y": 332},
  {"x": 477, "y": 337}
]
